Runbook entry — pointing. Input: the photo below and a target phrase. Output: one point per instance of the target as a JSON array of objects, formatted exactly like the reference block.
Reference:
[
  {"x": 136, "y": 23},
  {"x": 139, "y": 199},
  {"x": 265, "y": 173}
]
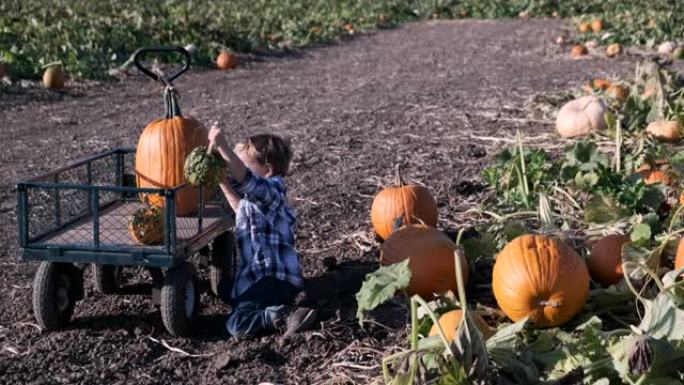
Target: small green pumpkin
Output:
[{"x": 203, "y": 168}]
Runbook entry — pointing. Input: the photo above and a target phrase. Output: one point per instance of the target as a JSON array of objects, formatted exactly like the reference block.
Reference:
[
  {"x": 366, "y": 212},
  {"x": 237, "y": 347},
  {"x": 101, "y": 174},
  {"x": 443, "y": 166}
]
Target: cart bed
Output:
[
  {"x": 114, "y": 226},
  {"x": 80, "y": 213}
]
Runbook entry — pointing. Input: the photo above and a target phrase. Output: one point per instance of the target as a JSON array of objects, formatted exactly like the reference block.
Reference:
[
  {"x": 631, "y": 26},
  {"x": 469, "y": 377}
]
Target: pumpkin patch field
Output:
[{"x": 477, "y": 200}]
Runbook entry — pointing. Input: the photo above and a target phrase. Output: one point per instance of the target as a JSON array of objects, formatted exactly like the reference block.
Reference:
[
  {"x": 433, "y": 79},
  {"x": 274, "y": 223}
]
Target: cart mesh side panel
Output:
[{"x": 90, "y": 204}]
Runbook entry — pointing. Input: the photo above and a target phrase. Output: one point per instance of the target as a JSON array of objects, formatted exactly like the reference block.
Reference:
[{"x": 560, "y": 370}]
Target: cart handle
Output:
[{"x": 162, "y": 49}]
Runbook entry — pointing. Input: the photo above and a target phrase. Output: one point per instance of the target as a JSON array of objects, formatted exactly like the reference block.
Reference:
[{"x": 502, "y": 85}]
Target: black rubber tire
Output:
[
  {"x": 223, "y": 252},
  {"x": 177, "y": 316},
  {"x": 105, "y": 278},
  {"x": 55, "y": 292}
]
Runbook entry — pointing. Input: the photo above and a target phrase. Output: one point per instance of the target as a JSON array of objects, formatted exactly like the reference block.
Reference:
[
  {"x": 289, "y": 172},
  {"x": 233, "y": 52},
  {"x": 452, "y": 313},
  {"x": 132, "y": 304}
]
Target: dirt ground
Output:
[{"x": 435, "y": 94}]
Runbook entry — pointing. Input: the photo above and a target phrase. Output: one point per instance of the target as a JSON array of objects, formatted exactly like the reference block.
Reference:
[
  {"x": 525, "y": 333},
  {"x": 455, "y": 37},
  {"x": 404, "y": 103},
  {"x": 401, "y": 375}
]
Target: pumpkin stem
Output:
[
  {"x": 398, "y": 179},
  {"x": 171, "y": 99}
]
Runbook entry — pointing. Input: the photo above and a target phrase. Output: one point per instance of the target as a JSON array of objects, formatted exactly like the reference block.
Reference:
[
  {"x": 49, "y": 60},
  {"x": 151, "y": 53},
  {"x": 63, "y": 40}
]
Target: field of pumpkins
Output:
[
  {"x": 585, "y": 239},
  {"x": 485, "y": 192}
]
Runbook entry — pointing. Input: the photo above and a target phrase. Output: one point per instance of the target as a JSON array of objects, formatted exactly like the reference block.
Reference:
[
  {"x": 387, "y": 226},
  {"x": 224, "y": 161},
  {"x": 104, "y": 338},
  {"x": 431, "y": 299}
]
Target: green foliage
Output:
[
  {"x": 92, "y": 37},
  {"x": 381, "y": 285},
  {"x": 508, "y": 179}
]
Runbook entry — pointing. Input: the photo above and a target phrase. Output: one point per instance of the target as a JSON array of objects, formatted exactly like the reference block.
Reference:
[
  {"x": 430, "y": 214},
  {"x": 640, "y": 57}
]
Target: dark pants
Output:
[{"x": 255, "y": 310}]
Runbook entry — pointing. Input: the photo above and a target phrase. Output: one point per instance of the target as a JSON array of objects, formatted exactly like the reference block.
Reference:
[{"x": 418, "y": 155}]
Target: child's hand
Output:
[{"x": 216, "y": 137}]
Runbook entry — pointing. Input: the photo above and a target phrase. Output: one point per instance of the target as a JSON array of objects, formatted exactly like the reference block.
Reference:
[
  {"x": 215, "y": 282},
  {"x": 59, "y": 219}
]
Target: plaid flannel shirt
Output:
[{"x": 265, "y": 233}]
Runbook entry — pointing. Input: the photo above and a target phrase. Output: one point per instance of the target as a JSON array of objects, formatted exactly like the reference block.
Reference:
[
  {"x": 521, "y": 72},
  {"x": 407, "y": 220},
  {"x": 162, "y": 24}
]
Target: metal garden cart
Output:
[{"x": 78, "y": 216}]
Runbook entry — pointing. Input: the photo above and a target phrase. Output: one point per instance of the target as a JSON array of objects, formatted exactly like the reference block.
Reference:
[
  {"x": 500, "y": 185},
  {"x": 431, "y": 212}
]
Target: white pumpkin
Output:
[
  {"x": 667, "y": 130},
  {"x": 581, "y": 116},
  {"x": 666, "y": 48},
  {"x": 191, "y": 48}
]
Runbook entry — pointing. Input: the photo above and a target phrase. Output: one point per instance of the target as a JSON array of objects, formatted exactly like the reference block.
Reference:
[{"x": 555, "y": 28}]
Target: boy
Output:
[{"x": 269, "y": 276}]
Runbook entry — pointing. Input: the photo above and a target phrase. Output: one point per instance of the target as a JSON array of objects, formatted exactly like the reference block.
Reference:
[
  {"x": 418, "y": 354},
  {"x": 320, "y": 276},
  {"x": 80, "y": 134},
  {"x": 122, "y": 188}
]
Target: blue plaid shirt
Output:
[{"x": 265, "y": 233}]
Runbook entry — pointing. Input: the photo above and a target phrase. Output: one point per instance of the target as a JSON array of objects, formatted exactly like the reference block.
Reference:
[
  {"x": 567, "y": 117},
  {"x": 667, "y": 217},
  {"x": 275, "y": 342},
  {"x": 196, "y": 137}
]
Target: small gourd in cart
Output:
[
  {"x": 162, "y": 149},
  {"x": 146, "y": 225}
]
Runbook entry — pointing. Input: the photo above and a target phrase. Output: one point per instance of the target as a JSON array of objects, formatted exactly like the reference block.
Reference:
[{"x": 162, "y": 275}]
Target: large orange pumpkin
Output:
[
  {"x": 450, "y": 321},
  {"x": 605, "y": 260},
  {"x": 394, "y": 207},
  {"x": 431, "y": 259},
  {"x": 162, "y": 148},
  {"x": 540, "y": 277}
]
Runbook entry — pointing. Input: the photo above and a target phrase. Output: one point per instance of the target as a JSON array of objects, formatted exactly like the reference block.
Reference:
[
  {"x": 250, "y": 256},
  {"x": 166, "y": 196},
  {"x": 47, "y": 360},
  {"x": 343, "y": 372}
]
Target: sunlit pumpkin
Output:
[
  {"x": 601, "y": 84},
  {"x": 53, "y": 78},
  {"x": 581, "y": 116},
  {"x": 665, "y": 130},
  {"x": 162, "y": 148},
  {"x": 226, "y": 60},
  {"x": 649, "y": 91},
  {"x": 541, "y": 278},
  {"x": 618, "y": 91},
  {"x": 578, "y": 51},
  {"x": 596, "y": 84},
  {"x": 597, "y": 25},
  {"x": 613, "y": 50},
  {"x": 394, "y": 207},
  {"x": 431, "y": 258},
  {"x": 584, "y": 27},
  {"x": 605, "y": 259},
  {"x": 450, "y": 321},
  {"x": 146, "y": 225},
  {"x": 655, "y": 176}
]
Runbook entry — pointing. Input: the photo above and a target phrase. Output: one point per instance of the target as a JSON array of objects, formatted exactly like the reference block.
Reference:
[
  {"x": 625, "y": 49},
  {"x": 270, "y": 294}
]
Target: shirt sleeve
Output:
[{"x": 265, "y": 193}]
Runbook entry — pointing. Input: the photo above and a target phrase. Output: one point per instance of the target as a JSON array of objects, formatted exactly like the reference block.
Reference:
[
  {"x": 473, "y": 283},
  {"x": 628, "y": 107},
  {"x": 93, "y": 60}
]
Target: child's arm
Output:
[
  {"x": 218, "y": 141},
  {"x": 261, "y": 191},
  {"x": 230, "y": 194}
]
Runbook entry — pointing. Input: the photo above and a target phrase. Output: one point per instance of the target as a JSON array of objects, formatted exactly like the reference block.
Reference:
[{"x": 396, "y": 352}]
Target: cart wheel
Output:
[
  {"x": 56, "y": 289},
  {"x": 222, "y": 257},
  {"x": 179, "y": 299},
  {"x": 107, "y": 278}
]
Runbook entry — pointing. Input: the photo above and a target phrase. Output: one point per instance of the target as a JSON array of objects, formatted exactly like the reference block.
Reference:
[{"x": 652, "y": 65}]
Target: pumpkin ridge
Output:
[
  {"x": 530, "y": 275},
  {"x": 389, "y": 208}
]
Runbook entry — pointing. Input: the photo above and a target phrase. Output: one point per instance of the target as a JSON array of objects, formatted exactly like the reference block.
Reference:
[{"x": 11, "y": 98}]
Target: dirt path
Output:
[{"x": 354, "y": 110}]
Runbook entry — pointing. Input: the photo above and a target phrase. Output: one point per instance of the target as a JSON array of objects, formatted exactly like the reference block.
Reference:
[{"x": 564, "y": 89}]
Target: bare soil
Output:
[{"x": 435, "y": 94}]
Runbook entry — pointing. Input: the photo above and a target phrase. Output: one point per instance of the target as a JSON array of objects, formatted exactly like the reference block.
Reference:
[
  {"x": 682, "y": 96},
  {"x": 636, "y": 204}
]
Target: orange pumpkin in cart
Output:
[{"x": 164, "y": 145}]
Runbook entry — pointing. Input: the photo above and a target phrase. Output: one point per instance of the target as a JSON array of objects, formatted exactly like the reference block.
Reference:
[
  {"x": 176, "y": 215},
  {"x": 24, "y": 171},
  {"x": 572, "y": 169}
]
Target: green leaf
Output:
[
  {"x": 507, "y": 336},
  {"x": 603, "y": 209},
  {"x": 677, "y": 162},
  {"x": 585, "y": 181},
  {"x": 641, "y": 234},
  {"x": 584, "y": 348},
  {"x": 381, "y": 285},
  {"x": 611, "y": 122},
  {"x": 653, "y": 196},
  {"x": 482, "y": 246},
  {"x": 663, "y": 318},
  {"x": 469, "y": 346}
]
